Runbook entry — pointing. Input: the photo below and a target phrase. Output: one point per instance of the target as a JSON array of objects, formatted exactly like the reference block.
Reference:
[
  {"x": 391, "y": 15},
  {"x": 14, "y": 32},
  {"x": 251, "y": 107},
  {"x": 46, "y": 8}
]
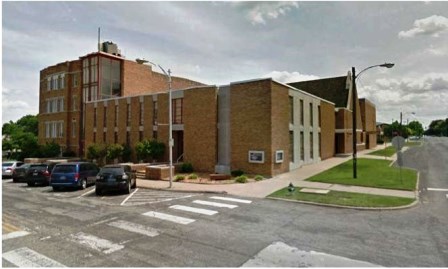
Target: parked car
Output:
[
  {"x": 9, "y": 167},
  {"x": 39, "y": 173},
  {"x": 73, "y": 174},
  {"x": 19, "y": 174},
  {"x": 115, "y": 177}
]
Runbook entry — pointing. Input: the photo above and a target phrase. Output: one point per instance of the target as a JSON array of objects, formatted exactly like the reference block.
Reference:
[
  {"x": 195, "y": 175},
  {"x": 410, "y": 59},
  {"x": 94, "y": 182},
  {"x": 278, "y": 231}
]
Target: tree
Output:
[
  {"x": 395, "y": 129},
  {"x": 149, "y": 149},
  {"x": 50, "y": 149},
  {"x": 416, "y": 128},
  {"x": 438, "y": 128},
  {"x": 113, "y": 151},
  {"x": 29, "y": 123},
  {"x": 96, "y": 152},
  {"x": 20, "y": 138}
]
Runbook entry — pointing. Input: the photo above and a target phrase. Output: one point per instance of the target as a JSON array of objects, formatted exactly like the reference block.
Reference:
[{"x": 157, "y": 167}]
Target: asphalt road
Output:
[{"x": 79, "y": 229}]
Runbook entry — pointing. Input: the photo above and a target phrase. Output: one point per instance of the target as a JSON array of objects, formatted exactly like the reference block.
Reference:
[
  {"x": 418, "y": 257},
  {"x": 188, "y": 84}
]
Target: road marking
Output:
[
  {"x": 436, "y": 189},
  {"x": 25, "y": 257},
  {"x": 84, "y": 194},
  {"x": 14, "y": 235},
  {"x": 194, "y": 209},
  {"x": 129, "y": 196},
  {"x": 102, "y": 221},
  {"x": 447, "y": 196},
  {"x": 134, "y": 227},
  {"x": 168, "y": 217},
  {"x": 96, "y": 243},
  {"x": 7, "y": 181},
  {"x": 214, "y": 204},
  {"x": 231, "y": 199}
]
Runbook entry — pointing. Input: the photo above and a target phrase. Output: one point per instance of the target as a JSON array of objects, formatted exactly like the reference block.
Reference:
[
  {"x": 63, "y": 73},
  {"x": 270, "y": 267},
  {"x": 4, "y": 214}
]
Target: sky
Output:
[{"x": 222, "y": 42}]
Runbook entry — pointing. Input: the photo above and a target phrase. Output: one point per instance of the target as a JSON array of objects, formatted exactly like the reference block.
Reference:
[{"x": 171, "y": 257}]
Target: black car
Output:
[
  {"x": 39, "y": 173},
  {"x": 115, "y": 177},
  {"x": 19, "y": 174}
]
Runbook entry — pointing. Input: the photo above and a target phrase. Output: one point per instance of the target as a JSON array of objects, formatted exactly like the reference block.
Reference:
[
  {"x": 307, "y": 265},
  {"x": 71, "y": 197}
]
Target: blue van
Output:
[{"x": 73, "y": 174}]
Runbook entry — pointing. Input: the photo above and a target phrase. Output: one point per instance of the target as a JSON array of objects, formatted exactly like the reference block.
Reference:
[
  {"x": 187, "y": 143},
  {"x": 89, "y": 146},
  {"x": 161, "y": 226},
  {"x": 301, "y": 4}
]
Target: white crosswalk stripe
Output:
[
  {"x": 134, "y": 227},
  {"x": 25, "y": 257},
  {"x": 194, "y": 210},
  {"x": 168, "y": 217},
  {"x": 144, "y": 196},
  {"x": 231, "y": 199},
  {"x": 201, "y": 202},
  {"x": 96, "y": 243},
  {"x": 14, "y": 235}
]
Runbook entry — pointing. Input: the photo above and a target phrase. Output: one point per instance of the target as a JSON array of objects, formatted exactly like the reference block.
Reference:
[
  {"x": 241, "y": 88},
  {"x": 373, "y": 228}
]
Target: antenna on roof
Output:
[{"x": 99, "y": 42}]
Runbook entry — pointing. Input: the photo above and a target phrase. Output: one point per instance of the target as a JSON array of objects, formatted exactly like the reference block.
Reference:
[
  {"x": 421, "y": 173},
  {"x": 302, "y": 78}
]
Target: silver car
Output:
[{"x": 8, "y": 168}]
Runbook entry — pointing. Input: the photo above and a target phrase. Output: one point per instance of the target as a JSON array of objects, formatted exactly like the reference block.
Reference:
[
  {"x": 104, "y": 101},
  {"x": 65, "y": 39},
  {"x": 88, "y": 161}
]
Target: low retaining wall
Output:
[{"x": 157, "y": 172}]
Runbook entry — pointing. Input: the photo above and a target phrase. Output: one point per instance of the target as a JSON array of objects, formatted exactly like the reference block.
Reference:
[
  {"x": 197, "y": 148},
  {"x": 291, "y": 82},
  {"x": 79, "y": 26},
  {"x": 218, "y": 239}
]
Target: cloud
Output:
[
  {"x": 260, "y": 12},
  {"x": 432, "y": 26},
  {"x": 287, "y": 77},
  {"x": 437, "y": 51}
]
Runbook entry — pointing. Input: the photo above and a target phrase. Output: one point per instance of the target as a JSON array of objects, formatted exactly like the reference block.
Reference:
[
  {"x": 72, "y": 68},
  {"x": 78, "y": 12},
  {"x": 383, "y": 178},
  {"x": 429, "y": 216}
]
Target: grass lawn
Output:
[
  {"x": 388, "y": 152},
  {"x": 371, "y": 173},
  {"x": 344, "y": 198}
]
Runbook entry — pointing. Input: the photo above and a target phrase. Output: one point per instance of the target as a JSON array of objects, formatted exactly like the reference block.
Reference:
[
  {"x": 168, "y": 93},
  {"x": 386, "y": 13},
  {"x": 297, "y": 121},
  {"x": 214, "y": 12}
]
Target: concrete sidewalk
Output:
[{"x": 263, "y": 188}]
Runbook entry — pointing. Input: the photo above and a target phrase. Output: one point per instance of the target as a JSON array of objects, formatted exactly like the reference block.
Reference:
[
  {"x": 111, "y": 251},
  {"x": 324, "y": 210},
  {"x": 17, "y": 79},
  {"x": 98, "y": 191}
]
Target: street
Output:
[{"x": 151, "y": 228}]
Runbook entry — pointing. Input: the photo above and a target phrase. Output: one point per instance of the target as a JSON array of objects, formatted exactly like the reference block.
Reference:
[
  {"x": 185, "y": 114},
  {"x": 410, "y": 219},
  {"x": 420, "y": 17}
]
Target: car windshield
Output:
[
  {"x": 7, "y": 164},
  {"x": 39, "y": 167},
  {"x": 64, "y": 169},
  {"x": 112, "y": 170}
]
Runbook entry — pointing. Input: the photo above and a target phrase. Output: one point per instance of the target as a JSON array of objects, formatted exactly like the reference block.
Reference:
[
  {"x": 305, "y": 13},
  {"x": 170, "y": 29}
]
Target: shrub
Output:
[
  {"x": 179, "y": 178},
  {"x": 114, "y": 151},
  {"x": 258, "y": 178},
  {"x": 186, "y": 168},
  {"x": 241, "y": 179},
  {"x": 237, "y": 173},
  {"x": 68, "y": 153},
  {"x": 193, "y": 176}
]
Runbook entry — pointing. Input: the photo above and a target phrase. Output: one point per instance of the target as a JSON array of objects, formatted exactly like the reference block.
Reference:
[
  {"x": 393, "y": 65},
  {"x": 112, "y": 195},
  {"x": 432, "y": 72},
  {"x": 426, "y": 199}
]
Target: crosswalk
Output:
[
  {"x": 143, "y": 197},
  {"x": 26, "y": 257}
]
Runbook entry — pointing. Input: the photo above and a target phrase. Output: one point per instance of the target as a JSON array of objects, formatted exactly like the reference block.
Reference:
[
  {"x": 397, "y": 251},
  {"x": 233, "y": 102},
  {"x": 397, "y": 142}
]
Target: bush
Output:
[
  {"x": 186, "y": 168},
  {"x": 193, "y": 176},
  {"x": 179, "y": 178},
  {"x": 258, "y": 178},
  {"x": 237, "y": 173},
  {"x": 68, "y": 153},
  {"x": 114, "y": 151},
  {"x": 241, "y": 179}
]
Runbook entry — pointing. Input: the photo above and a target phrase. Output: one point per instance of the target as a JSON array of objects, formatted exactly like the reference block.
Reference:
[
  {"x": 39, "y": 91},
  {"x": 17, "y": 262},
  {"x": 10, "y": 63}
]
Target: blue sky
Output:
[{"x": 222, "y": 42}]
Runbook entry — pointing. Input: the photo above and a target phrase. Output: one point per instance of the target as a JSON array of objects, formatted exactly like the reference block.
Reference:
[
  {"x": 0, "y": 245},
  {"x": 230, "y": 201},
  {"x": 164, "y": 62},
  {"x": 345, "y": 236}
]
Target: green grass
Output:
[
  {"x": 387, "y": 152},
  {"x": 343, "y": 198},
  {"x": 371, "y": 173}
]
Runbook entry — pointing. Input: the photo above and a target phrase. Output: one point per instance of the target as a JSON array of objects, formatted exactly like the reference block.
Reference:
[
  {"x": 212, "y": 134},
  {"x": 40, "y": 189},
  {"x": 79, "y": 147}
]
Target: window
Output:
[
  {"x": 301, "y": 112},
  {"x": 94, "y": 117},
  {"x": 291, "y": 109},
  {"x": 115, "y": 137},
  {"x": 116, "y": 116},
  {"x": 302, "y": 146},
  {"x": 320, "y": 145},
  {"x": 61, "y": 129},
  {"x": 128, "y": 138},
  {"x": 154, "y": 114},
  {"x": 48, "y": 106},
  {"x": 154, "y": 135},
  {"x": 75, "y": 80},
  {"x": 319, "y": 115},
  {"x": 54, "y": 82},
  {"x": 61, "y": 81},
  {"x": 311, "y": 114},
  {"x": 86, "y": 94},
  {"x": 105, "y": 117},
  {"x": 140, "y": 136},
  {"x": 85, "y": 71},
  {"x": 128, "y": 111},
  {"x": 54, "y": 105},
  {"x": 110, "y": 77},
  {"x": 104, "y": 137},
  {"x": 177, "y": 106},
  {"x": 73, "y": 128},
  {"x": 311, "y": 146},
  {"x": 141, "y": 114},
  {"x": 291, "y": 146},
  {"x": 75, "y": 103},
  {"x": 94, "y": 137},
  {"x": 93, "y": 69},
  {"x": 94, "y": 93},
  {"x": 48, "y": 83},
  {"x": 47, "y": 130}
]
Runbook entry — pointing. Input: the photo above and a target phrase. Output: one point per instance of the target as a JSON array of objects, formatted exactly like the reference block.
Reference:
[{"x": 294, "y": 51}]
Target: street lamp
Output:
[
  {"x": 354, "y": 77},
  {"x": 170, "y": 116}
]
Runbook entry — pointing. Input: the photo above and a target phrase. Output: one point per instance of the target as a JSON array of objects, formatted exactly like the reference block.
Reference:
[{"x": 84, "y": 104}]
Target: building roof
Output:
[{"x": 333, "y": 89}]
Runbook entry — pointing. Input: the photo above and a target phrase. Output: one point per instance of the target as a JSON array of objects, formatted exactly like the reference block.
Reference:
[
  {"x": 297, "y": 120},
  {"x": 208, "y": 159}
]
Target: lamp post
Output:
[
  {"x": 354, "y": 118},
  {"x": 170, "y": 116}
]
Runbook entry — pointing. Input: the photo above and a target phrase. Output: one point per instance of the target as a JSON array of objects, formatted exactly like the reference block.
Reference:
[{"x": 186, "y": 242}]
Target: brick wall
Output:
[{"x": 328, "y": 123}]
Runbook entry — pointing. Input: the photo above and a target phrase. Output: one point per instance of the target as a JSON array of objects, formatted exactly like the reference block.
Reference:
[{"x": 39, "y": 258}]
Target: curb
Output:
[
  {"x": 193, "y": 191},
  {"x": 416, "y": 201}
]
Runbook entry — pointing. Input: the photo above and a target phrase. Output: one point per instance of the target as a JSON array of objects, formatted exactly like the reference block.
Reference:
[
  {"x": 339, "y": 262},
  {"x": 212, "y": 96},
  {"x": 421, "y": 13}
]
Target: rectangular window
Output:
[
  {"x": 85, "y": 71},
  {"x": 93, "y": 69},
  {"x": 75, "y": 103},
  {"x": 75, "y": 80},
  {"x": 48, "y": 83},
  {"x": 115, "y": 137},
  {"x": 302, "y": 146},
  {"x": 141, "y": 114},
  {"x": 54, "y": 105},
  {"x": 61, "y": 106},
  {"x": 154, "y": 114},
  {"x": 54, "y": 129},
  {"x": 94, "y": 117},
  {"x": 105, "y": 116},
  {"x": 177, "y": 107},
  {"x": 320, "y": 146},
  {"x": 48, "y": 106},
  {"x": 311, "y": 146},
  {"x": 110, "y": 77},
  {"x": 140, "y": 136},
  {"x": 311, "y": 114},
  {"x": 116, "y": 116},
  {"x": 128, "y": 111},
  {"x": 104, "y": 137},
  {"x": 291, "y": 109},
  {"x": 94, "y": 93},
  {"x": 73, "y": 128},
  {"x": 61, "y": 129},
  {"x": 291, "y": 146},
  {"x": 62, "y": 81},
  {"x": 319, "y": 115},
  {"x": 94, "y": 137},
  {"x": 47, "y": 130},
  {"x": 128, "y": 138},
  {"x": 154, "y": 135},
  {"x": 301, "y": 112},
  {"x": 55, "y": 83}
]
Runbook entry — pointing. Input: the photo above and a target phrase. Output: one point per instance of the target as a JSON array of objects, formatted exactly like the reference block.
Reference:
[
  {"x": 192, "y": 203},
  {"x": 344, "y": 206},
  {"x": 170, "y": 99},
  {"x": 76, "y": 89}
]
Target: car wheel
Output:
[
  {"x": 98, "y": 191},
  {"x": 31, "y": 184},
  {"x": 83, "y": 184}
]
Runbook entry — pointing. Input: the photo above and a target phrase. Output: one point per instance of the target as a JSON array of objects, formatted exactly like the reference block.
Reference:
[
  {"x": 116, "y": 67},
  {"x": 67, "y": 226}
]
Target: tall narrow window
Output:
[
  {"x": 154, "y": 135},
  {"x": 47, "y": 130},
  {"x": 291, "y": 109},
  {"x": 291, "y": 146},
  {"x": 177, "y": 107},
  {"x": 141, "y": 114},
  {"x": 128, "y": 138},
  {"x": 73, "y": 128},
  {"x": 85, "y": 71},
  {"x": 94, "y": 117},
  {"x": 62, "y": 81},
  {"x": 94, "y": 69},
  {"x": 61, "y": 129},
  {"x": 319, "y": 115},
  {"x": 115, "y": 137},
  {"x": 75, "y": 80},
  {"x": 311, "y": 114},
  {"x": 302, "y": 146},
  {"x": 75, "y": 103},
  {"x": 105, "y": 116},
  {"x": 48, "y": 83},
  {"x": 140, "y": 136},
  {"x": 128, "y": 111},
  {"x": 116, "y": 116},
  {"x": 311, "y": 146},
  {"x": 94, "y": 137},
  {"x": 104, "y": 137},
  {"x": 320, "y": 146},
  {"x": 154, "y": 114},
  {"x": 301, "y": 112}
]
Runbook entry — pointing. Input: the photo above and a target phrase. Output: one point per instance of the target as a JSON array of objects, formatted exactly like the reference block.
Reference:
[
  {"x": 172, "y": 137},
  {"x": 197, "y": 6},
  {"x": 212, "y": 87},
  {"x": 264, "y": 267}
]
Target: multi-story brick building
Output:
[{"x": 259, "y": 126}]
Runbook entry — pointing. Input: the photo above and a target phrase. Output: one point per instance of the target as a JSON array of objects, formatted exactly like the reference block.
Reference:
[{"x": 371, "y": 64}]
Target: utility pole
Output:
[{"x": 354, "y": 121}]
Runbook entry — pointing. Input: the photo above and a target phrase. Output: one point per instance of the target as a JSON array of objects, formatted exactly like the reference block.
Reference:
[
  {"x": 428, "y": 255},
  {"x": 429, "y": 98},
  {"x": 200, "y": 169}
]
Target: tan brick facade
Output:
[{"x": 328, "y": 124}]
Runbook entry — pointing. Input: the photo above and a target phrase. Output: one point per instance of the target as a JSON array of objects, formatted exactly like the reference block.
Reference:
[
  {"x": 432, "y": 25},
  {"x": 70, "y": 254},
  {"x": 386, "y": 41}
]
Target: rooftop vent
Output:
[{"x": 111, "y": 48}]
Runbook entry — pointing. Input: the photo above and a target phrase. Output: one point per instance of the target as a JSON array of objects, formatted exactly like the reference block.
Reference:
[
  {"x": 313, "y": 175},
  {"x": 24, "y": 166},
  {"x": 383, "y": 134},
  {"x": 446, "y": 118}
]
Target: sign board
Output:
[{"x": 398, "y": 142}]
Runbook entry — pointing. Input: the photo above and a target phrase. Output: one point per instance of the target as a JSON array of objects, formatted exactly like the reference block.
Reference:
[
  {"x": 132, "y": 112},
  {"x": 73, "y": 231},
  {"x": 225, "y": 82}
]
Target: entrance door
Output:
[{"x": 178, "y": 148}]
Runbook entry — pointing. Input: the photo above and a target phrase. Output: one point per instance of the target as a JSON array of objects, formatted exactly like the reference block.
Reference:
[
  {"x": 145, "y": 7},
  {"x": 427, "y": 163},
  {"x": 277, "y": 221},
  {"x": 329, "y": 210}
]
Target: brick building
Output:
[{"x": 259, "y": 126}]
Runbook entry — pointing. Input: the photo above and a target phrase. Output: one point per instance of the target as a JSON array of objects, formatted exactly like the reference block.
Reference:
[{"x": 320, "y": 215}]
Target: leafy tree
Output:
[
  {"x": 20, "y": 138},
  {"x": 113, "y": 151},
  {"x": 395, "y": 129},
  {"x": 149, "y": 149},
  {"x": 438, "y": 128},
  {"x": 29, "y": 123},
  {"x": 50, "y": 149},
  {"x": 96, "y": 152},
  {"x": 127, "y": 153},
  {"x": 416, "y": 128}
]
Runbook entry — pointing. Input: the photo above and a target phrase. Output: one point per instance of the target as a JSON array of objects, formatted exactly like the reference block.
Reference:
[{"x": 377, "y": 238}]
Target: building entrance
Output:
[{"x": 178, "y": 148}]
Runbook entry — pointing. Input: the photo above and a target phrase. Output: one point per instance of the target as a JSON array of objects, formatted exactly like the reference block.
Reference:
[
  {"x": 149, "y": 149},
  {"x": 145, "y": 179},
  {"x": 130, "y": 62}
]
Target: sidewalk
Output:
[{"x": 263, "y": 188}]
